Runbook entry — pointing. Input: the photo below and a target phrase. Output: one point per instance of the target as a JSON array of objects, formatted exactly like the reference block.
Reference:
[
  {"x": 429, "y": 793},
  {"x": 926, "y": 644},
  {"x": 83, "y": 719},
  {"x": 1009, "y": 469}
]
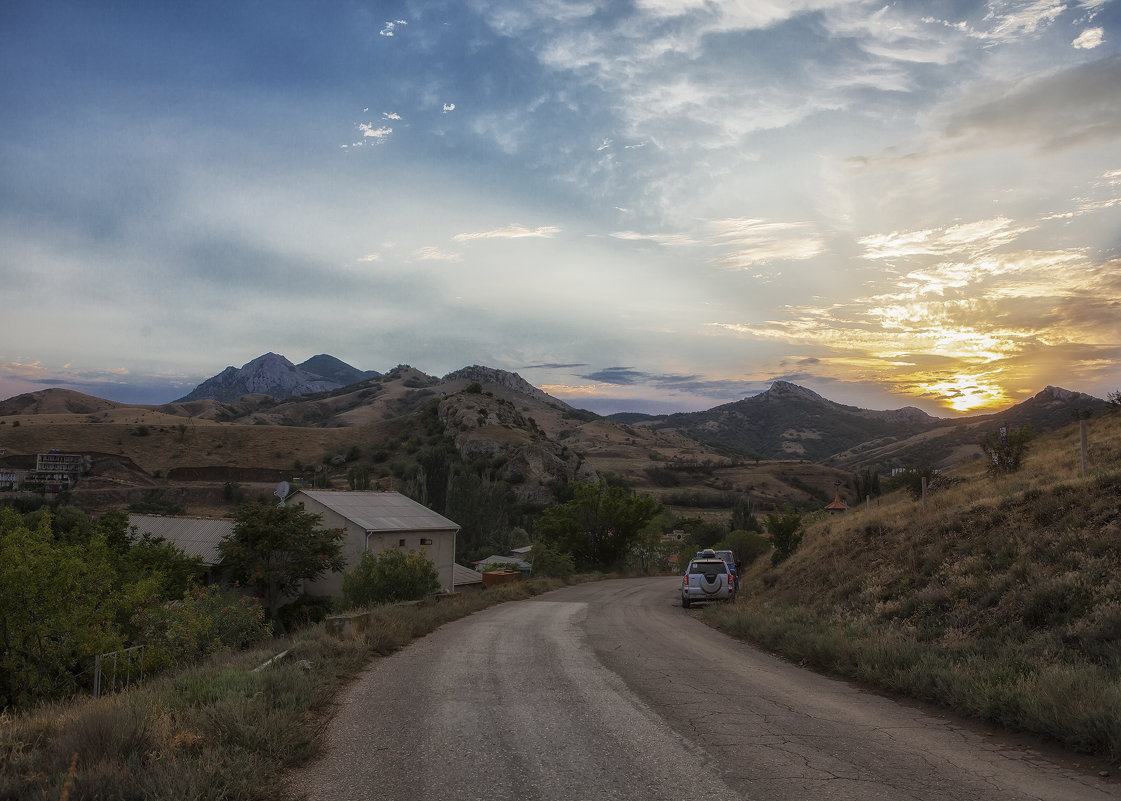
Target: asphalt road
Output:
[{"x": 611, "y": 691}]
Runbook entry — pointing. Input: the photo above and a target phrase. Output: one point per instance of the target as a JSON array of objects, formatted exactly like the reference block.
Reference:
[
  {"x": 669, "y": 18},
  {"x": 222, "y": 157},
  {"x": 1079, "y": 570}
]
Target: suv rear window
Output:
[{"x": 714, "y": 566}]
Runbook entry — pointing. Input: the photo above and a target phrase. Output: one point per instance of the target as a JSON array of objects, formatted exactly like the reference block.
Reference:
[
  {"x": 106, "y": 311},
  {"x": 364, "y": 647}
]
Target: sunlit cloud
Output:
[
  {"x": 670, "y": 240},
  {"x": 449, "y": 107},
  {"x": 432, "y": 253},
  {"x": 510, "y": 232},
  {"x": 370, "y": 257},
  {"x": 1089, "y": 39},
  {"x": 757, "y": 242},
  {"x": 985, "y": 319},
  {"x": 390, "y": 115}
]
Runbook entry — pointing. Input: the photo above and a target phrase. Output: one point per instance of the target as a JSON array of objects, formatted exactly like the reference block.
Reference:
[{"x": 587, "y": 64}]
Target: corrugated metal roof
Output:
[
  {"x": 465, "y": 575},
  {"x": 379, "y": 511},
  {"x": 195, "y": 536}
]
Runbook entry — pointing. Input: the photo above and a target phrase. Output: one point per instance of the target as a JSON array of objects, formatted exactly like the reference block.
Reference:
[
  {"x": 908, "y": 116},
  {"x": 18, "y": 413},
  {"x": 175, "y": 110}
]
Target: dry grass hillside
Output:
[
  {"x": 185, "y": 453},
  {"x": 1000, "y": 599}
]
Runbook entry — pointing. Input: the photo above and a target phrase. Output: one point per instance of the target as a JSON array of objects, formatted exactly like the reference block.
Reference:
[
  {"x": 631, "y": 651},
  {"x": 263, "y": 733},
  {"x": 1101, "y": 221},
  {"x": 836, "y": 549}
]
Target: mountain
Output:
[
  {"x": 275, "y": 376},
  {"x": 507, "y": 380},
  {"x": 56, "y": 401},
  {"x": 331, "y": 369},
  {"x": 791, "y": 422}
]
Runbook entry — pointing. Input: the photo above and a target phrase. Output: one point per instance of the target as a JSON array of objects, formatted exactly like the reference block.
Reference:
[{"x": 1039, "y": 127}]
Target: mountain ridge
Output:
[{"x": 274, "y": 375}]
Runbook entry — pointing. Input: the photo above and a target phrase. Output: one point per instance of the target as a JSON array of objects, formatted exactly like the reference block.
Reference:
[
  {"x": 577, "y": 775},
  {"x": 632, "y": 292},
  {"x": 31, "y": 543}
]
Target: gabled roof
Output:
[
  {"x": 464, "y": 575},
  {"x": 195, "y": 536},
  {"x": 379, "y": 511},
  {"x": 503, "y": 560}
]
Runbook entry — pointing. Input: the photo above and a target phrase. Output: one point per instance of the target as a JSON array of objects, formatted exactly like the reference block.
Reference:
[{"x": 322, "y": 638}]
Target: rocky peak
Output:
[
  {"x": 785, "y": 390},
  {"x": 269, "y": 374},
  {"x": 503, "y": 378}
]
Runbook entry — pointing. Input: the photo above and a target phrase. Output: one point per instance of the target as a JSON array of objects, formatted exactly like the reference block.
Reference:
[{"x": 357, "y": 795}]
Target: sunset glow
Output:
[{"x": 657, "y": 206}]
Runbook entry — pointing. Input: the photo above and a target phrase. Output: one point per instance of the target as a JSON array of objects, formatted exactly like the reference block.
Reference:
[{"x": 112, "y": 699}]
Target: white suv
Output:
[{"x": 706, "y": 580}]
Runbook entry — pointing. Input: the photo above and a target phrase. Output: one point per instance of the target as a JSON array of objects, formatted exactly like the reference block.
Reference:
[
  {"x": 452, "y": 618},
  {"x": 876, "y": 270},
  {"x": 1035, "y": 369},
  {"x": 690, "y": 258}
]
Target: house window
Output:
[
  {"x": 401, "y": 543},
  {"x": 425, "y": 541}
]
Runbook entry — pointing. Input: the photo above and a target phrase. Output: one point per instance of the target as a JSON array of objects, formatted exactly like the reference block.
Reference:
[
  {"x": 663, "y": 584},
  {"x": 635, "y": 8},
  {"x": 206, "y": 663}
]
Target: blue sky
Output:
[{"x": 646, "y": 206}]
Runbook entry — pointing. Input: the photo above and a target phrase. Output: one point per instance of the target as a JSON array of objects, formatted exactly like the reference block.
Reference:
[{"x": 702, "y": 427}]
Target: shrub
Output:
[
  {"x": 747, "y": 546},
  {"x": 551, "y": 561},
  {"x": 1006, "y": 450},
  {"x": 786, "y": 533},
  {"x": 205, "y": 621},
  {"x": 388, "y": 577}
]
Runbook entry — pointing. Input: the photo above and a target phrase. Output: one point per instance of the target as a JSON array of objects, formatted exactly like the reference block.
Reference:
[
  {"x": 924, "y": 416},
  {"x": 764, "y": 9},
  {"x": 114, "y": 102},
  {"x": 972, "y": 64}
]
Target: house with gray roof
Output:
[
  {"x": 378, "y": 521},
  {"x": 194, "y": 536}
]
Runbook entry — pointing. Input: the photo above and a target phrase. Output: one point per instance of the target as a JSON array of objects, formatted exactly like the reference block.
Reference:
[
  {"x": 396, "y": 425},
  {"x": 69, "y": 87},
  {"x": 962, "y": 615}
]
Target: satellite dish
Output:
[{"x": 282, "y": 491}]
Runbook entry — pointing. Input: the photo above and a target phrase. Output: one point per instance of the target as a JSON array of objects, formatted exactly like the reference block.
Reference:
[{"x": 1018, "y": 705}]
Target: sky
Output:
[{"x": 655, "y": 206}]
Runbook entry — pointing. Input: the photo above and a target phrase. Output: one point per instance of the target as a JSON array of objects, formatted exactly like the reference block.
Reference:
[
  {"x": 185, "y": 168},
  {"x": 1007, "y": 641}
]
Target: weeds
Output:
[
  {"x": 1001, "y": 600},
  {"x": 216, "y": 730}
]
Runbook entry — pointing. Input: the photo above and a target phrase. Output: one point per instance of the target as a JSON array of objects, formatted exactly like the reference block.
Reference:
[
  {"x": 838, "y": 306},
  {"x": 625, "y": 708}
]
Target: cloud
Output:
[
  {"x": 692, "y": 384},
  {"x": 1089, "y": 39},
  {"x": 432, "y": 253},
  {"x": 552, "y": 366},
  {"x": 974, "y": 239},
  {"x": 370, "y": 257},
  {"x": 670, "y": 240},
  {"x": 449, "y": 107},
  {"x": 756, "y": 241},
  {"x": 510, "y": 232},
  {"x": 390, "y": 28},
  {"x": 1050, "y": 111},
  {"x": 379, "y": 135},
  {"x": 968, "y": 332},
  {"x": 390, "y": 115},
  {"x": 889, "y": 33}
]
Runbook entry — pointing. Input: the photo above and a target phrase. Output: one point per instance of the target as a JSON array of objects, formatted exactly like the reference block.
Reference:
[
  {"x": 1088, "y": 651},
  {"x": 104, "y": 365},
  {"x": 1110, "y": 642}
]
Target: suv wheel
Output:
[{"x": 684, "y": 602}]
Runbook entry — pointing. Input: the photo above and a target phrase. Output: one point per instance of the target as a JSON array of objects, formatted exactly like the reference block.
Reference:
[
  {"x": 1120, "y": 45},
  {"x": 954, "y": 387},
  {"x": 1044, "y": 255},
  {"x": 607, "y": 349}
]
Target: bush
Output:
[
  {"x": 389, "y": 577},
  {"x": 205, "y": 621},
  {"x": 786, "y": 533},
  {"x": 550, "y": 561},
  {"x": 747, "y": 546}
]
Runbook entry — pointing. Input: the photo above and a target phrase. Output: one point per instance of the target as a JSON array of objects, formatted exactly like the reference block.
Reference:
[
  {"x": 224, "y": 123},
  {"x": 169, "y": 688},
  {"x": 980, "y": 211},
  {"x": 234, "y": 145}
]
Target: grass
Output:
[
  {"x": 219, "y": 730},
  {"x": 1001, "y": 600}
]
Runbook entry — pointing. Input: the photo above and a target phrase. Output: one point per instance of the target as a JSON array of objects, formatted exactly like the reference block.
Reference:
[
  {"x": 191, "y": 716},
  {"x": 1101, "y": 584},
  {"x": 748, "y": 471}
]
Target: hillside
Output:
[
  {"x": 788, "y": 421},
  {"x": 185, "y": 453},
  {"x": 792, "y": 422},
  {"x": 1001, "y": 599}
]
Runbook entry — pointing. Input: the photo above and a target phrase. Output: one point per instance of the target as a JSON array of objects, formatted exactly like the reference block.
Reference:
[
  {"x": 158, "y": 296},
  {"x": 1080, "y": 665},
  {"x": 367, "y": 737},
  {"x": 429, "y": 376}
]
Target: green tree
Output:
[
  {"x": 743, "y": 519},
  {"x": 274, "y": 548},
  {"x": 548, "y": 561},
  {"x": 358, "y": 478},
  {"x": 1007, "y": 448},
  {"x": 866, "y": 484},
  {"x": 57, "y": 609},
  {"x": 155, "y": 557},
  {"x": 746, "y": 546},
  {"x": 388, "y": 577},
  {"x": 598, "y": 526},
  {"x": 786, "y": 533},
  {"x": 205, "y": 620}
]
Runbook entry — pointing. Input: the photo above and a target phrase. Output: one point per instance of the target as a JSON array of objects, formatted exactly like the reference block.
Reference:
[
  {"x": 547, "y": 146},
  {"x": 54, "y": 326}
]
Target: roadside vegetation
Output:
[
  {"x": 219, "y": 729},
  {"x": 1000, "y": 600}
]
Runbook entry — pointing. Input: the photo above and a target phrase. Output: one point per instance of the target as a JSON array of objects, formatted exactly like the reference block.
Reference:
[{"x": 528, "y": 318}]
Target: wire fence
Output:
[{"x": 117, "y": 670}]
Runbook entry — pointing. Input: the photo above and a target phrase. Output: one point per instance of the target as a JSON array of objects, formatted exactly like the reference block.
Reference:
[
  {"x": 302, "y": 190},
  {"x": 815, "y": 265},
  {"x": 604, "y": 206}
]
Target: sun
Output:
[{"x": 965, "y": 393}]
